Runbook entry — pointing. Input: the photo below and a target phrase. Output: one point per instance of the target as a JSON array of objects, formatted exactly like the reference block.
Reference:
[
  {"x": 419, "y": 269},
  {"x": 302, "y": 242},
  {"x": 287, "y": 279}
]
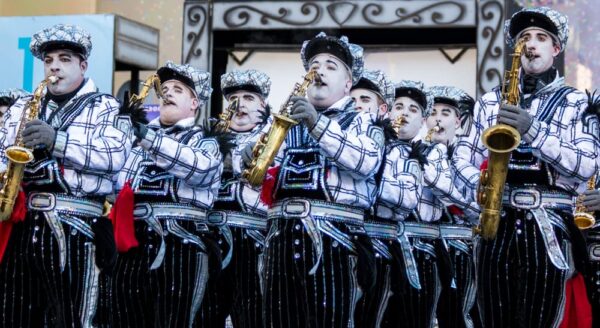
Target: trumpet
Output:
[
  {"x": 584, "y": 219},
  {"x": 18, "y": 155},
  {"x": 268, "y": 145}
]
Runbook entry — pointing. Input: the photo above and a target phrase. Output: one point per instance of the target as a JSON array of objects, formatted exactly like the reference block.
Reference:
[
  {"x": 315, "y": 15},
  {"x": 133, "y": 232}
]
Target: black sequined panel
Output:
[
  {"x": 43, "y": 174},
  {"x": 525, "y": 168},
  {"x": 228, "y": 198},
  {"x": 153, "y": 184},
  {"x": 302, "y": 174}
]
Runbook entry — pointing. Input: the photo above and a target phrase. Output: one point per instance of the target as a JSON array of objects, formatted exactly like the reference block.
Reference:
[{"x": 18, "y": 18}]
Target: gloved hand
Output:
[
  {"x": 38, "y": 132},
  {"x": 304, "y": 112},
  {"x": 104, "y": 239},
  {"x": 247, "y": 154},
  {"x": 591, "y": 200},
  {"x": 516, "y": 117},
  {"x": 139, "y": 130}
]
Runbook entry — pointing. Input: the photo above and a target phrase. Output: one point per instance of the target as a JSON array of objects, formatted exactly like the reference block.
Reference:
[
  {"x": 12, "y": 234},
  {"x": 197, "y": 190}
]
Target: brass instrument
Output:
[
  {"x": 398, "y": 123},
  {"x": 18, "y": 155},
  {"x": 153, "y": 81},
  {"x": 584, "y": 219},
  {"x": 500, "y": 140},
  {"x": 226, "y": 116},
  {"x": 431, "y": 131},
  {"x": 268, "y": 145}
]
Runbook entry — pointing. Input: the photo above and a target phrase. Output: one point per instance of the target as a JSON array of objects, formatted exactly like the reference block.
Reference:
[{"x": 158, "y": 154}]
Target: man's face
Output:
[
  {"x": 336, "y": 81},
  {"x": 179, "y": 102},
  {"x": 68, "y": 67},
  {"x": 539, "y": 43},
  {"x": 251, "y": 107},
  {"x": 444, "y": 116},
  {"x": 412, "y": 112},
  {"x": 369, "y": 101},
  {"x": 3, "y": 110}
]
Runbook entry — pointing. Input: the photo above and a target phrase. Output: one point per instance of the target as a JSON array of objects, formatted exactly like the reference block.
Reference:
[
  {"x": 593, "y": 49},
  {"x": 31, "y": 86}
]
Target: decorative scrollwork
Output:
[
  {"x": 372, "y": 10},
  {"x": 311, "y": 11},
  {"x": 196, "y": 15},
  {"x": 492, "y": 52}
]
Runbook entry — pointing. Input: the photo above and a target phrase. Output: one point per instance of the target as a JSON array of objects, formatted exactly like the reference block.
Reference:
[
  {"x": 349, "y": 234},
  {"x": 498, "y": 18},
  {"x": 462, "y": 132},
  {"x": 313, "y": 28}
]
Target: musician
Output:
[
  {"x": 8, "y": 97},
  {"x": 321, "y": 188},
  {"x": 522, "y": 271},
  {"x": 238, "y": 211},
  {"x": 169, "y": 181},
  {"x": 591, "y": 202},
  {"x": 52, "y": 262},
  {"x": 452, "y": 110},
  {"x": 373, "y": 93}
]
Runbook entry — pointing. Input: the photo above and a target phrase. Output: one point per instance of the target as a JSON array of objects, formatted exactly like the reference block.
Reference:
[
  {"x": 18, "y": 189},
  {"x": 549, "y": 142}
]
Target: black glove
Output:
[
  {"x": 247, "y": 154},
  {"x": 38, "y": 132},
  {"x": 591, "y": 200},
  {"x": 139, "y": 130},
  {"x": 304, "y": 112},
  {"x": 516, "y": 117},
  {"x": 104, "y": 239}
]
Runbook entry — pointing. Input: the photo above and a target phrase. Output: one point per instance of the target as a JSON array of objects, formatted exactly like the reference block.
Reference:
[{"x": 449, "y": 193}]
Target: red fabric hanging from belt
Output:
[
  {"x": 18, "y": 215},
  {"x": 266, "y": 193},
  {"x": 578, "y": 311},
  {"x": 121, "y": 216}
]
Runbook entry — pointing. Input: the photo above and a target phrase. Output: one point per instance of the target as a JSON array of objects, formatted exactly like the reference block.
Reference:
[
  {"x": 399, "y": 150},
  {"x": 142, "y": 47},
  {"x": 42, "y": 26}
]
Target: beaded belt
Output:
[
  {"x": 317, "y": 217},
  {"x": 237, "y": 219},
  {"x": 452, "y": 231},
  {"x": 163, "y": 211},
  {"x": 53, "y": 205},
  {"x": 45, "y": 202},
  {"x": 170, "y": 214},
  {"x": 535, "y": 197}
]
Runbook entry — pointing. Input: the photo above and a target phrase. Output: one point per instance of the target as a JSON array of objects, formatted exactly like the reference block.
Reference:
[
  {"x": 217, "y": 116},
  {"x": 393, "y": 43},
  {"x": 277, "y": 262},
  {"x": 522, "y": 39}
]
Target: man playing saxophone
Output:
[
  {"x": 63, "y": 241},
  {"x": 167, "y": 185},
  {"x": 319, "y": 190},
  {"x": 522, "y": 272},
  {"x": 238, "y": 211}
]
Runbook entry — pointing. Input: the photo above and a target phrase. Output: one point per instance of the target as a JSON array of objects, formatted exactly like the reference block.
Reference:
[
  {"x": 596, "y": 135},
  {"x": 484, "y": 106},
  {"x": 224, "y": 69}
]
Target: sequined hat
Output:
[
  {"x": 61, "y": 36},
  {"x": 349, "y": 53},
  {"x": 9, "y": 96},
  {"x": 196, "y": 79},
  {"x": 545, "y": 18},
  {"x": 415, "y": 90},
  {"x": 378, "y": 82},
  {"x": 247, "y": 80}
]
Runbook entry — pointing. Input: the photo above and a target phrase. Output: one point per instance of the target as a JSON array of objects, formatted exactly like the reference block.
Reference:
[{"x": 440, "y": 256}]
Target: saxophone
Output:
[
  {"x": 500, "y": 140},
  {"x": 431, "y": 131},
  {"x": 226, "y": 116},
  {"x": 268, "y": 145},
  {"x": 18, "y": 155},
  {"x": 584, "y": 219},
  {"x": 153, "y": 81}
]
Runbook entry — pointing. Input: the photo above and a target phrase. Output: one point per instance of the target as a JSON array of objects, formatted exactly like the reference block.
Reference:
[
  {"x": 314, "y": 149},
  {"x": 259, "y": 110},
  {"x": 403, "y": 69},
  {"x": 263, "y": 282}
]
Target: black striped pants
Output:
[
  {"x": 35, "y": 291},
  {"x": 372, "y": 305},
  {"x": 518, "y": 285},
  {"x": 295, "y": 298},
  {"x": 456, "y": 305},
  {"x": 168, "y": 296},
  {"x": 237, "y": 290},
  {"x": 592, "y": 278},
  {"x": 410, "y": 307}
]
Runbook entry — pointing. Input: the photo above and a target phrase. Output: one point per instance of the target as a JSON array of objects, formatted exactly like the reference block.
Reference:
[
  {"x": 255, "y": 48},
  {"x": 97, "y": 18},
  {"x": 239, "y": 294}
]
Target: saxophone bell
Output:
[{"x": 583, "y": 218}]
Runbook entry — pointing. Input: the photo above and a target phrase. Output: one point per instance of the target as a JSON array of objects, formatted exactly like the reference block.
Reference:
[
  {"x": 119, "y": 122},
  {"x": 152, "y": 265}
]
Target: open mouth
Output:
[
  {"x": 441, "y": 130},
  {"x": 167, "y": 102}
]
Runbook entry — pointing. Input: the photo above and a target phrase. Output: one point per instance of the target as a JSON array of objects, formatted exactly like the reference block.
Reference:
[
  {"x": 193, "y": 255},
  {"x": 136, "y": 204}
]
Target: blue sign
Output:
[{"x": 20, "y": 69}]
